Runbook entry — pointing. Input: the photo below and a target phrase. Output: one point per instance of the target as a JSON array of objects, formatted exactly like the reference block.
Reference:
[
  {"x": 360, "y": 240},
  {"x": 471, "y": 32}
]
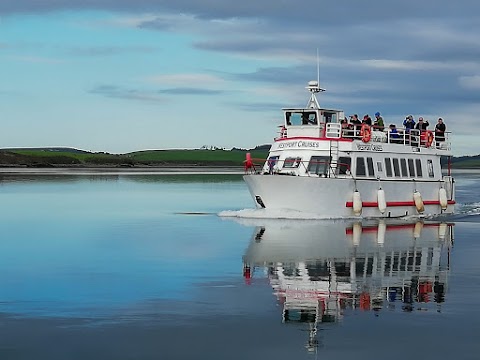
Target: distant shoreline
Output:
[
  {"x": 69, "y": 160},
  {"x": 141, "y": 170},
  {"x": 106, "y": 170}
]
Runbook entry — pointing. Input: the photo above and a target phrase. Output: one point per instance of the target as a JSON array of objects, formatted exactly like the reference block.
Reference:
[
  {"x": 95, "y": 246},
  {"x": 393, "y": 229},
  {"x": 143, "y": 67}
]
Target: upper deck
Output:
[
  {"x": 316, "y": 123},
  {"x": 354, "y": 137}
]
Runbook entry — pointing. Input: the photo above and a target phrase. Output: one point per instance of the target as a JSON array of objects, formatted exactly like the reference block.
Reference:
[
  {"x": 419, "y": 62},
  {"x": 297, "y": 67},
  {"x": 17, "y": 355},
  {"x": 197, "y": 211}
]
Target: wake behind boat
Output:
[{"x": 320, "y": 164}]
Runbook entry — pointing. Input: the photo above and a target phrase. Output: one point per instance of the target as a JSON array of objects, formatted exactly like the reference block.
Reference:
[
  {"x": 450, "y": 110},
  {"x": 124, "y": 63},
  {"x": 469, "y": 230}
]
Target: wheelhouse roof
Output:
[{"x": 310, "y": 110}]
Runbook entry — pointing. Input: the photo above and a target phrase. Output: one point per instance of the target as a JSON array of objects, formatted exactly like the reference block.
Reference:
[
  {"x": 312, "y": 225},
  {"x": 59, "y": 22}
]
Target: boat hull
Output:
[{"x": 334, "y": 197}]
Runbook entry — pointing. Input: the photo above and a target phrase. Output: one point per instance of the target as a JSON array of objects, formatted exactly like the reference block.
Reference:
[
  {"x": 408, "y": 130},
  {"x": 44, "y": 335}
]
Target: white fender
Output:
[
  {"x": 357, "y": 232},
  {"x": 382, "y": 203},
  {"x": 442, "y": 196},
  {"x": 417, "y": 230},
  {"x": 357, "y": 203},
  {"x": 382, "y": 229},
  {"x": 442, "y": 231},
  {"x": 418, "y": 202}
]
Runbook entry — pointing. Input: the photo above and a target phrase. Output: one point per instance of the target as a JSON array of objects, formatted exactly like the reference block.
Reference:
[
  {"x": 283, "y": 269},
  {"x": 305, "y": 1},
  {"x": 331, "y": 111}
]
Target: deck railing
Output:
[{"x": 413, "y": 137}]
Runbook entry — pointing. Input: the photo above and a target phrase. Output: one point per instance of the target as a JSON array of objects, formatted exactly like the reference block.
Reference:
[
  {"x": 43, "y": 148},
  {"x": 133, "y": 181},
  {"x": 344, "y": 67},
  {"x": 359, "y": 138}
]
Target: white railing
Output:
[
  {"x": 413, "y": 137},
  {"x": 333, "y": 131}
]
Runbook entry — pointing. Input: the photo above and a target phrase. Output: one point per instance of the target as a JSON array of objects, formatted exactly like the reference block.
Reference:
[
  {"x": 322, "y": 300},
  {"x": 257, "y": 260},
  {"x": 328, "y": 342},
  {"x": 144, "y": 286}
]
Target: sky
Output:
[{"x": 123, "y": 75}]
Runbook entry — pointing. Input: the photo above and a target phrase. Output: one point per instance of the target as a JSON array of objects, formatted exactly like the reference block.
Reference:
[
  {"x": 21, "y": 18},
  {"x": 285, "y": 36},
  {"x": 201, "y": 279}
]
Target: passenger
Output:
[
  {"x": 394, "y": 135},
  {"x": 288, "y": 115},
  {"x": 355, "y": 120},
  {"x": 440, "y": 128},
  {"x": 304, "y": 119},
  {"x": 378, "y": 124},
  {"x": 356, "y": 124},
  {"x": 367, "y": 120},
  {"x": 422, "y": 125},
  {"x": 421, "y": 128},
  {"x": 409, "y": 123}
]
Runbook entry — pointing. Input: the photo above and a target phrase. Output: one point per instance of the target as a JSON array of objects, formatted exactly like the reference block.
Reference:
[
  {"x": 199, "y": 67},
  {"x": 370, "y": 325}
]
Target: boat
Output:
[
  {"x": 322, "y": 165},
  {"x": 333, "y": 269}
]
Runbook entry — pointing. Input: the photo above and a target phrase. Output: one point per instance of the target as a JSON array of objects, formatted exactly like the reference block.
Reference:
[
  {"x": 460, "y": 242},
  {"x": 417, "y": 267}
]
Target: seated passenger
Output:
[
  {"x": 393, "y": 134},
  {"x": 304, "y": 119}
]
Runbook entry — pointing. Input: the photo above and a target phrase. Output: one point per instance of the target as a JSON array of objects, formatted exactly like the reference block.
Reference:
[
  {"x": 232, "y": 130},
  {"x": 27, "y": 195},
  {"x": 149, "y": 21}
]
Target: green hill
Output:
[{"x": 58, "y": 157}]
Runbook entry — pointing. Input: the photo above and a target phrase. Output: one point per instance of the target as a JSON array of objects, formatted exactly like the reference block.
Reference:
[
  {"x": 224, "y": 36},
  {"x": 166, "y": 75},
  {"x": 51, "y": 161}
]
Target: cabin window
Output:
[
  {"x": 272, "y": 161},
  {"x": 360, "y": 170},
  {"x": 403, "y": 165},
  {"x": 291, "y": 270},
  {"x": 293, "y": 118},
  {"x": 343, "y": 165},
  {"x": 371, "y": 171},
  {"x": 388, "y": 167},
  {"x": 329, "y": 117},
  {"x": 418, "y": 165},
  {"x": 309, "y": 118},
  {"x": 379, "y": 166},
  {"x": 319, "y": 165},
  {"x": 411, "y": 168},
  {"x": 292, "y": 162},
  {"x": 430, "y": 168},
  {"x": 396, "y": 167},
  {"x": 301, "y": 118}
]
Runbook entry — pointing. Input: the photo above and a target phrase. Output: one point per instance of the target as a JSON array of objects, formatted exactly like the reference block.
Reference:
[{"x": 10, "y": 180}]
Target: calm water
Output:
[{"x": 142, "y": 267}]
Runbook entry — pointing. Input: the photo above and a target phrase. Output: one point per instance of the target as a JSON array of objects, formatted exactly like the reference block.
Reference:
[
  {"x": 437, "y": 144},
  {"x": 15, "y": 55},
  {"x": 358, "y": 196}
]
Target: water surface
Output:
[{"x": 140, "y": 266}]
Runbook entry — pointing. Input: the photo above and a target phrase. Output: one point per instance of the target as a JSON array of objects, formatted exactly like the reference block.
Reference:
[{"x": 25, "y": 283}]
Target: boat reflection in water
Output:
[{"x": 321, "y": 271}]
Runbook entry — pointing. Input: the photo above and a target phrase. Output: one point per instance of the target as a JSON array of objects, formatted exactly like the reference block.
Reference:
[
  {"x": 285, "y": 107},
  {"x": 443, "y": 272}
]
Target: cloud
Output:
[
  {"x": 186, "y": 80},
  {"x": 38, "y": 60},
  {"x": 111, "y": 50},
  {"x": 190, "y": 91},
  {"x": 470, "y": 82},
  {"x": 403, "y": 57},
  {"x": 258, "y": 106},
  {"x": 126, "y": 94}
]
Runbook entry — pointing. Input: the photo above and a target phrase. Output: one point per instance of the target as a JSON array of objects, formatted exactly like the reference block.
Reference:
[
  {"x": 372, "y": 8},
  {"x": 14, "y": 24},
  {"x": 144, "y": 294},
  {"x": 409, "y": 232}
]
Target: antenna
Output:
[{"x": 314, "y": 87}]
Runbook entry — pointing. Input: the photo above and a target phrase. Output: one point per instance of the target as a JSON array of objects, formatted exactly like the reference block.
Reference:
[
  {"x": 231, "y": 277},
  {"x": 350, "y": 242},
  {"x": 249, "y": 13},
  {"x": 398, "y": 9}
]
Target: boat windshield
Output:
[{"x": 301, "y": 118}]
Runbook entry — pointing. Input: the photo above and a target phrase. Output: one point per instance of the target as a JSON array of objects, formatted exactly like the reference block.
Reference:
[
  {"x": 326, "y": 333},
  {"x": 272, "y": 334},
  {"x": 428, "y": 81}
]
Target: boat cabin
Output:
[{"x": 311, "y": 122}]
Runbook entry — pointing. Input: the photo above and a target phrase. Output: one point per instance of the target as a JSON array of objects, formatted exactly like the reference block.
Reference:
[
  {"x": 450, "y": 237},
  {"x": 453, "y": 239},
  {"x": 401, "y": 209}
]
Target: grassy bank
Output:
[
  {"x": 72, "y": 157},
  {"x": 57, "y": 157}
]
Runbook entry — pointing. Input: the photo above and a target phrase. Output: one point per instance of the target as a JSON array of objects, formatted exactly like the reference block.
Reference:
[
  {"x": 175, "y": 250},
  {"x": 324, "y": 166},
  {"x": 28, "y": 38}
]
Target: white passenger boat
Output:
[{"x": 317, "y": 165}]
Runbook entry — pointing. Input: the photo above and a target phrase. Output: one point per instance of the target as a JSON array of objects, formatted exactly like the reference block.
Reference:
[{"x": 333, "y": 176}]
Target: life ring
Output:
[
  {"x": 366, "y": 133},
  {"x": 429, "y": 138}
]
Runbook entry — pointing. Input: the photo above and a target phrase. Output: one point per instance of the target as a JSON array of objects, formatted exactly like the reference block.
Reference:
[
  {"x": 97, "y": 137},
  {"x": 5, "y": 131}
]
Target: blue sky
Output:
[{"x": 123, "y": 75}]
